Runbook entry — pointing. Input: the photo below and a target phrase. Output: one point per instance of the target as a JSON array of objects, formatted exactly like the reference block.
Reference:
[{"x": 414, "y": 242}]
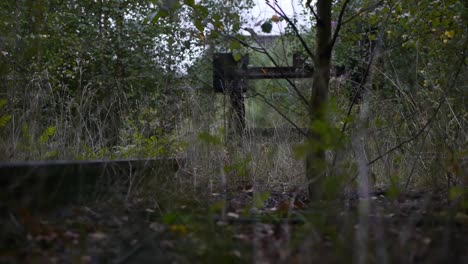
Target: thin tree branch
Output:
[
  {"x": 441, "y": 99},
  {"x": 361, "y": 12},
  {"x": 301, "y": 96},
  {"x": 243, "y": 43},
  {"x": 431, "y": 119},
  {"x": 358, "y": 91},
  {"x": 410, "y": 176},
  {"x": 364, "y": 79},
  {"x": 282, "y": 114},
  {"x": 294, "y": 28},
  {"x": 339, "y": 24},
  {"x": 309, "y": 5}
]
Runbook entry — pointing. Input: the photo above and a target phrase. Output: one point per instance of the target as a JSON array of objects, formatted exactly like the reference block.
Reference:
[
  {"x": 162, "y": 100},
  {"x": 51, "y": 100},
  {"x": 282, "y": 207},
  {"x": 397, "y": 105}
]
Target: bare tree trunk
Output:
[
  {"x": 358, "y": 141},
  {"x": 315, "y": 159}
]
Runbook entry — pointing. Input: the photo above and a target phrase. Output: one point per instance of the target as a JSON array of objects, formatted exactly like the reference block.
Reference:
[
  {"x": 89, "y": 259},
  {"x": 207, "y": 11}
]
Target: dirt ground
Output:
[{"x": 241, "y": 227}]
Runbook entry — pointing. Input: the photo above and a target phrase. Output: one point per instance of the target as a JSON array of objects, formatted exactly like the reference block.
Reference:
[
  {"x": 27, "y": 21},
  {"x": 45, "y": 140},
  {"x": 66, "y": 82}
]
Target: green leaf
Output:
[
  {"x": 235, "y": 45},
  {"x": 3, "y": 102},
  {"x": 455, "y": 193},
  {"x": 208, "y": 138},
  {"x": 240, "y": 167},
  {"x": 379, "y": 122},
  {"x": 170, "y": 218},
  {"x": 51, "y": 154},
  {"x": 214, "y": 35},
  {"x": 394, "y": 190},
  {"x": 217, "y": 18},
  {"x": 190, "y": 3},
  {"x": 267, "y": 27},
  {"x": 217, "y": 207},
  {"x": 199, "y": 25},
  {"x": 47, "y": 134},
  {"x": 4, "y": 120},
  {"x": 201, "y": 10},
  {"x": 237, "y": 57},
  {"x": 260, "y": 200},
  {"x": 321, "y": 127}
]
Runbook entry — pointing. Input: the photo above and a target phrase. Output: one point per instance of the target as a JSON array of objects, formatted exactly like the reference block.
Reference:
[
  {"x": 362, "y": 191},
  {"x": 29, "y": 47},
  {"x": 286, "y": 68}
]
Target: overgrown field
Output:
[{"x": 364, "y": 162}]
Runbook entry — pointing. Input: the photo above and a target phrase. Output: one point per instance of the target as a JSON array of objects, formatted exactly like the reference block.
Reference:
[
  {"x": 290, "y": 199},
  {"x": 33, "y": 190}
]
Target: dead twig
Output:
[{"x": 434, "y": 115}]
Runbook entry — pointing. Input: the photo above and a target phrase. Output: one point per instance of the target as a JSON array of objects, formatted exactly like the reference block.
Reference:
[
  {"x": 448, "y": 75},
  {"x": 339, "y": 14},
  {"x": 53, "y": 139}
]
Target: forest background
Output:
[{"x": 102, "y": 79}]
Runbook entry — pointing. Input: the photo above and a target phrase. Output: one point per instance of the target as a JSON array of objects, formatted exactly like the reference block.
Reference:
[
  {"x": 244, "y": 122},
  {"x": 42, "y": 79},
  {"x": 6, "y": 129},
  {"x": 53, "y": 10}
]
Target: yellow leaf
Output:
[
  {"x": 179, "y": 229},
  {"x": 201, "y": 36},
  {"x": 275, "y": 18},
  {"x": 450, "y": 33}
]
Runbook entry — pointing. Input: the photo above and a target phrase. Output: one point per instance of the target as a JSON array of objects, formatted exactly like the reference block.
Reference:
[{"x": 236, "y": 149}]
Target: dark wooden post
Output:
[
  {"x": 231, "y": 76},
  {"x": 238, "y": 108}
]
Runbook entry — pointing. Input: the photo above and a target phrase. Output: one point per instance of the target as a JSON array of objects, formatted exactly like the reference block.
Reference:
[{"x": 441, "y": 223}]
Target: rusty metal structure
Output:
[{"x": 231, "y": 77}]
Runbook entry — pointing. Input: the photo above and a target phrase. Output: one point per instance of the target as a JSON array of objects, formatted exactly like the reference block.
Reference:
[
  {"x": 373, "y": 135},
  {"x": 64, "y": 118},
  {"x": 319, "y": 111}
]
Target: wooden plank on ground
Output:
[{"x": 40, "y": 184}]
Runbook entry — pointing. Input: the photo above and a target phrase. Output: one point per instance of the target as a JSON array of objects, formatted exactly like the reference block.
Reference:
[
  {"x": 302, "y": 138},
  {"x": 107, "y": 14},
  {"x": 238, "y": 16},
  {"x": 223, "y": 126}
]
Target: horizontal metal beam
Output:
[
  {"x": 278, "y": 72},
  {"x": 227, "y": 69}
]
